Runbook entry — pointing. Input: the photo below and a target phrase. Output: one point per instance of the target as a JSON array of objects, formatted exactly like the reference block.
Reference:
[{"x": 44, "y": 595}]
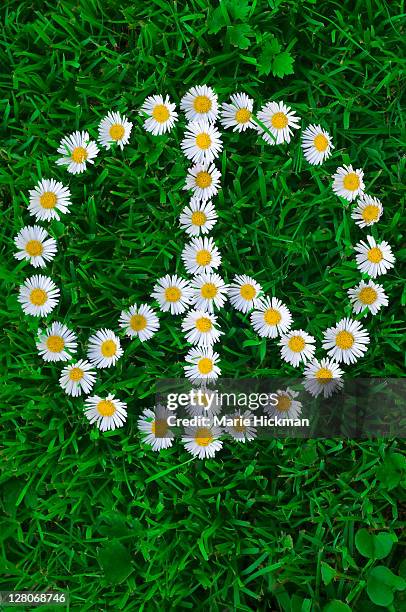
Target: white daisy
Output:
[
  {"x": 174, "y": 294},
  {"x": 200, "y": 103},
  {"x": 238, "y": 114},
  {"x": 348, "y": 183},
  {"x": 77, "y": 378},
  {"x": 104, "y": 349},
  {"x": 367, "y": 296},
  {"x": 201, "y": 255},
  {"x": 297, "y": 346},
  {"x": 242, "y": 428},
  {"x": 368, "y": 211},
  {"x": 161, "y": 114},
  {"x": 56, "y": 343},
  {"x": 204, "y": 402},
  {"x": 203, "y": 180},
  {"x": 323, "y": 377},
  {"x": 198, "y": 217},
  {"x": 316, "y": 144},
  {"x": 107, "y": 412},
  {"x": 35, "y": 246},
  {"x": 279, "y": 119},
  {"x": 139, "y": 321},
  {"x": 77, "y": 150},
  {"x": 209, "y": 290},
  {"x": 154, "y": 425},
  {"x": 38, "y": 295},
  {"x": 347, "y": 341},
  {"x": 374, "y": 258},
  {"x": 271, "y": 318},
  {"x": 48, "y": 199},
  {"x": 244, "y": 293},
  {"x": 200, "y": 328},
  {"x": 202, "y": 142},
  {"x": 114, "y": 129},
  {"x": 285, "y": 406},
  {"x": 203, "y": 366},
  {"x": 202, "y": 442}
]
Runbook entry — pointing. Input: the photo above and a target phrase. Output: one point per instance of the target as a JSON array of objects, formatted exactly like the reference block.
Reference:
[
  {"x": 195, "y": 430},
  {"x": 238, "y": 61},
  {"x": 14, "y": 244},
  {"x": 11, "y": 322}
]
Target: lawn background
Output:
[{"x": 101, "y": 515}]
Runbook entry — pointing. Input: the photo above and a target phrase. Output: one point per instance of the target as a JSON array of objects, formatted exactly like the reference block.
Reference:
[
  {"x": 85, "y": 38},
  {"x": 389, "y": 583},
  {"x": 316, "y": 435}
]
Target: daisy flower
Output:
[
  {"x": 77, "y": 378},
  {"x": 244, "y": 293},
  {"x": 154, "y": 425},
  {"x": 56, "y": 343},
  {"x": 297, "y": 346},
  {"x": 48, "y": 199},
  {"x": 374, "y": 258},
  {"x": 104, "y": 349},
  {"x": 200, "y": 103},
  {"x": 368, "y": 211},
  {"x": 242, "y": 429},
  {"x": 107, "y": 412},
  {"x": 323, "y": 376},
  {"x": 316, "y": 144},
  {"x": 204, "y": 402},
  {"x": 161, "y": 115},
  {"x": 114, "y": 128},
  {"x": 202, "y": 142},
  {"x": 35, "y": 246},
  {"x": 202, "y": 442},
  {"x": 286, "y": 406},
  {"x": 347, "y": 341},
  {"x": 271, "y": 318},
  {"x": 173, "y": 294},
  {"x": 238, "y": 114},
  {"x": 203, "y": 364},
  {"x": 369, "y": 296},
  {"x": 279, "y": 119},
  {"x": 209, "y": 290},
  {"x": 77, "y": 150},
  {"x": 203, "y": 180},
  {"x": 198, "y": 217},
  {"x": 139, "y": 321},
  {"x": 201, "y": 255},
  {"x": 348, "y": 183},
  {"x": 200, "y": 328},
  {"x": 38, "y": 295}
]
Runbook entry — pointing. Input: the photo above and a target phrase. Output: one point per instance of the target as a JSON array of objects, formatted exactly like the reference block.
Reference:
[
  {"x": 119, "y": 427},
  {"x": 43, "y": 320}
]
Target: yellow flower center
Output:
[
  {"x": 203, "y": 325},
  {"x": 160, "y": 113},
  {"x": 272, "y": 316},
  {"x": 116, "y": 131},
  {"x": 344, "y": 340},
  {"x": 324, "y": 375},
  {"x": 203, "y": 141},
  {"x": 370, "y": 213},
  {"x": 79, "y": 155},
  {"x": 76, "y": 374},
  {"x": 138, "y": 322},
  {"x": 203, "y": 179},
  {"x": 320, "y": 143},
  {"x": 247, "y": 292},
  {"x": 243, "y": 115},
  {"x": 199, "y": 218},
  {"x": 279, "y": 121},
  {"x": 239, "y": 425},
  {"x": 205, "y": 365},
  {"x": 203, "y": 257},
  {"x": 351, "y": 181},
  {"x": 367, "y": 295},
  {"x": 48, "y": 199},
  {"x": 375, "y": 255},
  {"x": 284, "y": 403},
  {"x": 296, "y": 344},
  {"x": 202, "y": 104},
  {"x": 208, "y": 291},
  {"x": 173, "y": 294},
  {"x": 106, "y": 408},
  {"x": 203, "y": 436},
  {"x": 159, "y": 428},
  {"x": 34, "y": 248},
  {"x": 55, "y": 344},
  {"x": 38, "y": 297},
  {"x": 108, "y": 348}
]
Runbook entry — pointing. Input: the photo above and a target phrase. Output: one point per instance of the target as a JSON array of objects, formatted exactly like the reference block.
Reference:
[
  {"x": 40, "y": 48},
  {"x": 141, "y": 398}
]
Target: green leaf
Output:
[
  {"x": 238, "y": 35},
  {"x": 327, "y": 573},
  {"x": 282, "y": 64},
  {"x": 238, "y": 9},
  {"x": 336, "y": 606},
  {"x": 373, "y": 546},
  {"x": 391, "y": 471},
  {"x": 115, "y": 560},
  {"x": 381, "y": 585},
  {"x": 271, "y": 48},
  {"x": 216, "y": 21}
]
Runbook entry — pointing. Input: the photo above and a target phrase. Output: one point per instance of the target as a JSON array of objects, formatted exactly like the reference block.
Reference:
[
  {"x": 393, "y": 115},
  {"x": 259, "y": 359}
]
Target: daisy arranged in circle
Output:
[
  {"x": 209, "y": 290},
  {"x": 107, "y": 412},
  {"x": 139, "y": 321},
  {"x": 204, "y": 402},
  {"x": 114, "y": 129},
  {"x": 174, "y": 294},
  {"x": 154, "y": 425},
  {"x": 38, "y": 295},
  {"x": 316, "y": 144},
  {"x": 285, "y": 406},
  {"x": 201, "y": 255},
  {"x": 370, "y": 296},
  {"x": 161, "y": 112},
  {"x": 48, "y": 199},
  {"x": 202, "y": 142},
  {"x": 200, "y": 103},
  {"x": 202, "y": 442},
  {"x": 242, "y": 428},
  {"x": 347, "y": 341},
  {"x": 323, "y": 377},
  {"x": 374, "y": 258},
  {"x": 271, "y": 318},
  {"x": 203, "y": 180},
  {"x": 368, "y": 211},
  {"x": 56, "y": 343},
  {"x": 200, "y": 328},
  {"x": 77, "y": 150},
  {"x": 348, "y": 183},
  {"x": 244, "y": 293},
  {"x": 280, "y": 120},
  {"x": 238, "y": 113},
  {"x": 104, "y": 349},
  {"x": 35, "y": 245},
  {"x": 78, "y": 378},
  {"x": 297, "y": 346},
  {"x": 203, "y": 364},
  {"x": 198, "y": 217}
]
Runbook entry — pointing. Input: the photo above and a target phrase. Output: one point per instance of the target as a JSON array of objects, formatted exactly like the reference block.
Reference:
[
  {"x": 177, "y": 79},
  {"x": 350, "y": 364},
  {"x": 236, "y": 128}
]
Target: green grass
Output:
[{"x": 101, "y": 515}]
